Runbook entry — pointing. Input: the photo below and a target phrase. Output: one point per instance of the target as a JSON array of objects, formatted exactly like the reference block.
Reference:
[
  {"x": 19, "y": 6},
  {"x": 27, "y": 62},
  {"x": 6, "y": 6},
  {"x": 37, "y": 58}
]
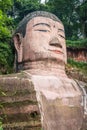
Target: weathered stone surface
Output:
[
  {"x": 18, "y": 103},
  {"x": 78, "y": 54},
  {"x": 84, "y": 126},
  {"x": 20, "y": 109},
  {"x": 60, "y": 102}
]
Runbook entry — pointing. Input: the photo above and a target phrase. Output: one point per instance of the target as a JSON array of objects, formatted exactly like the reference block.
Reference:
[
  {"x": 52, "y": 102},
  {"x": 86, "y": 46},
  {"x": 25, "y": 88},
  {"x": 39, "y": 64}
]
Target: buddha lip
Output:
[{"x": 57, "y": 51}]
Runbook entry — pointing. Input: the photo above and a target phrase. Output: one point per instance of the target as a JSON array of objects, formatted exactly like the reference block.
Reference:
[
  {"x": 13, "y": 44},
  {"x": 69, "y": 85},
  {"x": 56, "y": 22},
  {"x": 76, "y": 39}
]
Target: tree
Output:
[
  {"x": 82, "y": 17},
  {"x": 22, "y": 7},
  {"x": 5, "y": 36}
]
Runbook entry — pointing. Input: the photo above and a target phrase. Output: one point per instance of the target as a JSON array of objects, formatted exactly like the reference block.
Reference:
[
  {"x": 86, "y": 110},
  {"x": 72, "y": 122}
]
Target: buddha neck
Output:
[{"x": 45, "y": 68}]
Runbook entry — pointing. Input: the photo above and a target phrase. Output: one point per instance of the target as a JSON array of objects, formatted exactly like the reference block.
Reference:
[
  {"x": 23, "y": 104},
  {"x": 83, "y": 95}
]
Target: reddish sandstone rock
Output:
[{"x": 19, "y": 104}]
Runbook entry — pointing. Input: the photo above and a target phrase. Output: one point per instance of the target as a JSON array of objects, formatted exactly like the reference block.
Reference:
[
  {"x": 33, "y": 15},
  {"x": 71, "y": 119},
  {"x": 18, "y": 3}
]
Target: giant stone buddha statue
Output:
[{"x": 41, "y": 54}]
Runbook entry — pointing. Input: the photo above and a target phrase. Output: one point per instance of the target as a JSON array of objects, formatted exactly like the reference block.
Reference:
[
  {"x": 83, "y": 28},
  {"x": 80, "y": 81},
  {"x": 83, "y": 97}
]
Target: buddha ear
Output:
[{"x": 18, "y": 43}]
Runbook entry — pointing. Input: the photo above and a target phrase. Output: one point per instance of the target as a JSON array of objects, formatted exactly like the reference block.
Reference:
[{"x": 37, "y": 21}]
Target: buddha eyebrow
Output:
[
  {"x": 41, "y": 24},
  {"x": 61, "y": 30}
]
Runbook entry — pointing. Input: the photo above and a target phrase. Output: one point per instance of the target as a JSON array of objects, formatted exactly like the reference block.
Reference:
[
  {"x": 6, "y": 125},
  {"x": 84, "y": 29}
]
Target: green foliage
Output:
[
  {"x": 6, "y": 58},
  {"x": 5, "y": 5},
  {"x": 5, "y": 26},
  {"x": 80, "y": 65},
  {"x": 77, "y": 44},
  {"x": 6, "y": 23},
  {"x": 81, "y": 10},
  {"x": 1, "y": 128},
  {"x": 77, "y": 64},
  {"x": 23, "y": 7}
]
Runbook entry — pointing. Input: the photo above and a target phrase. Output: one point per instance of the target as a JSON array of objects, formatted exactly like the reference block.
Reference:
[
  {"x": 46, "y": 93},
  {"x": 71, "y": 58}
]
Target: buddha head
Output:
[{"x": 39, "y": 37}]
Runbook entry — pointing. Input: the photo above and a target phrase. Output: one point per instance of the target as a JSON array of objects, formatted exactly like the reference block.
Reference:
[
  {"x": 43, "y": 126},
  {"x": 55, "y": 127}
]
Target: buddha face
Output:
[{"x": 44, "y": 39}]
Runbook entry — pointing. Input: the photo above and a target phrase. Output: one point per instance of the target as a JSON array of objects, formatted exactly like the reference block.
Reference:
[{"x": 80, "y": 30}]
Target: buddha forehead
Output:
[
  {"x": 33, "y": 17},
  {"x": 44, "y": 21}
]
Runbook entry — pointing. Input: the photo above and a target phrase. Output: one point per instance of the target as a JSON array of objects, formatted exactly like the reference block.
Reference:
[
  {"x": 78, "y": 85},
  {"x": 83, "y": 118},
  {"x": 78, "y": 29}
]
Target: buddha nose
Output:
[{"x": 55, "y": 42}]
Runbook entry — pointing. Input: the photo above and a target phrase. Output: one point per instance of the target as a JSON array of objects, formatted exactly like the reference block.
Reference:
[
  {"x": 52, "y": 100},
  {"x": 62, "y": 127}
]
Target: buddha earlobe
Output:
[{"x": 18, "y": 43}]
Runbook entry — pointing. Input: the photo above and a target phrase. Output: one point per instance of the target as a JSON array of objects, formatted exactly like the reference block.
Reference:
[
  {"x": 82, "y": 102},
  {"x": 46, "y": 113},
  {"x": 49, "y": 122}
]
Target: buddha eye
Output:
[
  {"x": 62, "y": 36},
  {"x": 42, "y": 30}
]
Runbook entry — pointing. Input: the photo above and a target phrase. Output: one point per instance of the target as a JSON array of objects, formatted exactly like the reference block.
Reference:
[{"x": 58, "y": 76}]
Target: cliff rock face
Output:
[
  {"x": 78, "y": 54},
  {"x": 18, "y": 104}
]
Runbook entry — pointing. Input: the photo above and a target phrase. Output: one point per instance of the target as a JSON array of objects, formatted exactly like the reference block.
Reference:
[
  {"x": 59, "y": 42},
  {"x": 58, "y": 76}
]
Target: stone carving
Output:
[
  {"x": 41, "y": 54},
  {"x": 35, "y": 40},
  {"x": 41, "y": 51}
]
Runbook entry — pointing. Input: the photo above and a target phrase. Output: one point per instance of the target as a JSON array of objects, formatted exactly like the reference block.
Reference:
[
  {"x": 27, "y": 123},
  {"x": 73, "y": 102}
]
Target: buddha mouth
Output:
[{"x": 57, "y": 51}]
